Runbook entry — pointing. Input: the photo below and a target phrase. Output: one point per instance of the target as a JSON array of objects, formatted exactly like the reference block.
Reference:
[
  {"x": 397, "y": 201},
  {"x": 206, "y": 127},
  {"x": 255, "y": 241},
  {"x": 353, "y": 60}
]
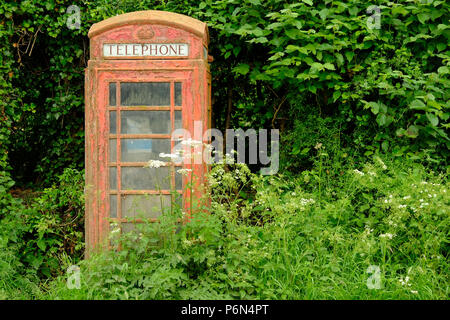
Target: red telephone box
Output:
[{"x": 148, "y": 74}]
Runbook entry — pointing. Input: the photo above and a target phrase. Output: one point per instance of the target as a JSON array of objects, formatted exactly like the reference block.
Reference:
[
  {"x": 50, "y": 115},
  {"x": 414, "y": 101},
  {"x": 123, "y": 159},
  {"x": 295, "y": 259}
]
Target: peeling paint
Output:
[{"x": 192, "y": 70}]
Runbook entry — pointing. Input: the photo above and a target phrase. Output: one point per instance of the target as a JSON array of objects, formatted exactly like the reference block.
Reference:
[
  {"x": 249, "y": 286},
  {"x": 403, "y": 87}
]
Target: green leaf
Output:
[
  {"x": 317, "y": 66},
  {"x": 443, "y": 70},
  {"x": 41, "y": 244},
  {"x": 412, "y": 131},
  {"x": 441, "y": 46},
  {"x": 292, "y": 33},
  {"x": 305, "y": 151},
  {"x": 349, "y": 55},
  {"x": 434, "y": 120},
  {"x": 242, "y": 69},
  {"x": 381, "y": 119},
  {"x": 308, "y": 2},
  {"x": 375, "y": 107},
  {"x": 423, "y": 17},
  {"x": 400, "y": 132},
  {"x": 329, "y": 66},
  {"x": 417, "y": 105},
  {"x": 336, "y": 95},
  {"x": 291, "y": 48},
  {"x": 340, "y": 59},
  {"x": 323, "y": 13}
]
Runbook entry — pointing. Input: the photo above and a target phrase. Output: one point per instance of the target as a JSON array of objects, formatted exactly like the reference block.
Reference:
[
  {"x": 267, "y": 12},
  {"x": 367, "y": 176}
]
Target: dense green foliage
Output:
[
  {"x": 342, "y": 89},
  {"x": 287, "y": 241},
  {"x": 40, "y": 235},
  {"x": 387, "y": 88}
]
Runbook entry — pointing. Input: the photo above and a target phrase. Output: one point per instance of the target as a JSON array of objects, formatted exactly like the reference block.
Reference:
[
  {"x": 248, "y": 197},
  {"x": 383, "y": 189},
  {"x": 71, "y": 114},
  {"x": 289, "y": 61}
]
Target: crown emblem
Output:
[{"x": 145, "y": 33}]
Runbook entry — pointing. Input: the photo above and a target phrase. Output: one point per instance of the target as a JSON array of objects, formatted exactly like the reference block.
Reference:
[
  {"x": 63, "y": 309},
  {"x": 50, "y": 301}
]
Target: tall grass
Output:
[{"x": 283, "y": 238}]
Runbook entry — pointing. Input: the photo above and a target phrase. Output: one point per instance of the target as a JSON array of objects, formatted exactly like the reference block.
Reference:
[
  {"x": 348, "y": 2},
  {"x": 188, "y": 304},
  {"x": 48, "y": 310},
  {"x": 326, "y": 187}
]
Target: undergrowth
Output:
[{"x": 286, "y": 238}]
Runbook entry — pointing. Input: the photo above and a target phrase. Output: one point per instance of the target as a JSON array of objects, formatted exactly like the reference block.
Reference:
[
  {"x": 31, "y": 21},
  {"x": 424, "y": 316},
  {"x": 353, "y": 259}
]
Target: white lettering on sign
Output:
[{"x": 145, "y": 50}]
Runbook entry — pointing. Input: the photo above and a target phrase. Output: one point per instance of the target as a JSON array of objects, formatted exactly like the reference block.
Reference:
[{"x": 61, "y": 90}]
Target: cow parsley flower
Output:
[
  {"x": 155, "y": 164},
  {"x": 168, "y": 155},
  {"x": 184, "y": 172},
  {"x": 404, "y": 282},
  {"x": 191, "y": 143}
]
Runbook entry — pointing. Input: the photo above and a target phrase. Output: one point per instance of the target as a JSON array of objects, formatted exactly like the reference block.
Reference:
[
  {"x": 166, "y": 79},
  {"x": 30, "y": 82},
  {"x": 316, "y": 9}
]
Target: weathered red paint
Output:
[{"x": 141, "y": 27}]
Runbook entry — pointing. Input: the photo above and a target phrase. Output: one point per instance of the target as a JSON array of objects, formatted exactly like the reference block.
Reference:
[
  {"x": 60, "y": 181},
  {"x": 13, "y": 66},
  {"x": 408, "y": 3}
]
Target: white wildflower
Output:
[
  {"x": 168, "y": 155},
  {"x": 358, "y": 172},
  {"x": 155, "y": 163},
  {"x": 191, "y": 143},
  {"x": 184, "y": 172},
  {"x": 368, "y": 230},
  {"x": 404, "y": 282},
  {"x": 387, "y": 235},
  {"x": 305, "y": 202},
  {"x": 381, "y": 163},
  {"x": 208, "y": 147}
]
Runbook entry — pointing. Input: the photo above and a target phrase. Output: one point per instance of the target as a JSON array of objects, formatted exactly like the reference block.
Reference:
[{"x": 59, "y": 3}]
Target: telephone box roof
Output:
[{"x": 171, "y": 19}]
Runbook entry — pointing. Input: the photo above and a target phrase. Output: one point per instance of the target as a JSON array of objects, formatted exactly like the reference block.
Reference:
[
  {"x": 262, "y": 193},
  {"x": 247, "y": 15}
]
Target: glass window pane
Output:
[
  {"x": 113, "y": 206},
  {"x": 145, "y": 94},
  {"x": 139, "y": 178},
  {"x": 144, "y": 206},
  {"x": 145, "y": 122},
  {"x": 112, "y": 122},
  {"x": 178, "y": 201},
  {"x": 141, "y": 150},
  {"x": 112, "y": 150},
  {"x": 112, "y": 178},
  {"x": 178, "y": 93},
  {"x": 113, "y": 227},
  {"x": 128, "y": 227},
  {"x": 178, "y": 180},
  {"x": 178, "y": 120},
  {"x": 112, "y": 94}
]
